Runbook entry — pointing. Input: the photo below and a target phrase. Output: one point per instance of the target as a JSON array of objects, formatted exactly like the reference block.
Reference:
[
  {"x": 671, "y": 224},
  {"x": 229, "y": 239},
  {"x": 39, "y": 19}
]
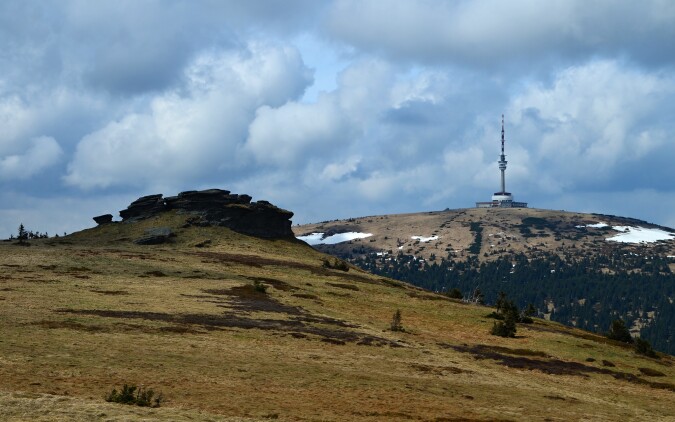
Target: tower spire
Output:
[
  {"x": 502, "y": 134},
  {"x": 502, "y": 199},
  {"x": 502, "y": 161}
]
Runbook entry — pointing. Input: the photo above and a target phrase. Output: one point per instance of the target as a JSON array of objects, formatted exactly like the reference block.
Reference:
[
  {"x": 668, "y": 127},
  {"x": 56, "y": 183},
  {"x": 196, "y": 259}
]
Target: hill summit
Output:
[
  {"x": 213, "y": 207},
  {"x": 581, "y": 269}
]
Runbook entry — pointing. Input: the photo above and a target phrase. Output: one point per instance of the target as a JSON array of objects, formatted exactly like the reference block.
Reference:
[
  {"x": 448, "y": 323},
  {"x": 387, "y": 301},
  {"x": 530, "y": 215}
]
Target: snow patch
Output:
[
  {"x": 312, "y": 239},
  {"x": 639, "y": 235},
  {"x": 595, "y": 226},
  {"x": 630, "y": 234},
  {"x": 424, "y": 239},
  {"x": 320, "y": 239}
]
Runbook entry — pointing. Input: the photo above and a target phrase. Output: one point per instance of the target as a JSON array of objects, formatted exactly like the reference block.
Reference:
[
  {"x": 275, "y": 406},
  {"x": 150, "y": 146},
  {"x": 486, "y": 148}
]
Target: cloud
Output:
[
  {"x": 17, "y": 121},
  {"x": 465, "y": 167},
  {"x": 284, "y": 135},
  {"x": 131, "y": 48},
  {"x": 299, "y": 131},
  {"x": 590, "y": 122},
  {"x": 191, "y": 133},
  {"x": 42, "y": 153},
  {"x": 339, "y": 108},
  {"x": 489, "y": 33},
  {"x": 340, "y": 170}
]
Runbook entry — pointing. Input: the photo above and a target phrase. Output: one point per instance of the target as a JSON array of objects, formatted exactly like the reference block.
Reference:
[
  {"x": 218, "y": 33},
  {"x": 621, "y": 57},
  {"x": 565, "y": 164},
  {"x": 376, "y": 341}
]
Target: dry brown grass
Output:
[{"x": 315, "y": 346}]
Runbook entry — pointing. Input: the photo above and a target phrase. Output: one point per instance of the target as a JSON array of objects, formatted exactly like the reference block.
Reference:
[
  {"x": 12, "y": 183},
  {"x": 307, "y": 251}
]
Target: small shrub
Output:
[
  {"x": 396, "y": 321},
  {"x": 455, "y": 293},
  {"x": 508, "y": 315},
  {"x": 642, "y": 347},
  {"x": 337, "y": 264},
  {"x": 618, "y": 331},
  {"x": 495, "y": 315},
  {"x": 524, "y": 319},
  {"x": 341, "y": 265},
  {"x": 530, "y": 310},
  {"x": 125, "y": 396},
  {"x": 133, "y": 395},
  {"x": 506, "y": 328},
  {"x": 259, "y": 287}
]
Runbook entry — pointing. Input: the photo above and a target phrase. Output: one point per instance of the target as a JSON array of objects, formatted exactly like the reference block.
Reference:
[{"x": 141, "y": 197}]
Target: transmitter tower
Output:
[{"x": 502, "y": 199}]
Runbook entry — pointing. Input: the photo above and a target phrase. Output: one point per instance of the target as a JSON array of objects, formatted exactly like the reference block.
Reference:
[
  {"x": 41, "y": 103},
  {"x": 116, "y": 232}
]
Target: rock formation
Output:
[
  {"x": 216, "y": 207},
  {"x": 143, "y": 207},
  {"x": 156, "y": 236},
  {"x": 103, "y": 219}
]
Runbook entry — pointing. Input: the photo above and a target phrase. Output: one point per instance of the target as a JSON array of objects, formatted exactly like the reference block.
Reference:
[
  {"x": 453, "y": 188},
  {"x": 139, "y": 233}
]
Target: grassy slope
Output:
[{"x": 87, "y": 313}]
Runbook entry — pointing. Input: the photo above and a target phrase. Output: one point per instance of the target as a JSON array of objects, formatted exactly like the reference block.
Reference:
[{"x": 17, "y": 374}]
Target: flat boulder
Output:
[
  {"x": 155, "y": 236},
  {"x": 143, "y": 207},
  {"x": 103, "y": 219}
]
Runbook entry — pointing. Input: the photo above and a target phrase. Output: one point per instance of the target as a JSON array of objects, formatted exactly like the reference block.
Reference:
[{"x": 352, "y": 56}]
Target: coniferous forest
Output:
[{"x": 588, "y": 292}]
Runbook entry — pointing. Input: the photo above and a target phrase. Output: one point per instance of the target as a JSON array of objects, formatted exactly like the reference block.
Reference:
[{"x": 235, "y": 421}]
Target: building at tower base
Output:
[
  {"x": 501, "y": 203},
  {"x": 502, "y": 199}
]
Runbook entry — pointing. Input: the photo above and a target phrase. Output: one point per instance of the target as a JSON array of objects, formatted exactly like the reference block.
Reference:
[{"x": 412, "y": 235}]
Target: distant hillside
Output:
[
  {"x": 579, "y": 269},
  {"x": 233, "y": 327}
]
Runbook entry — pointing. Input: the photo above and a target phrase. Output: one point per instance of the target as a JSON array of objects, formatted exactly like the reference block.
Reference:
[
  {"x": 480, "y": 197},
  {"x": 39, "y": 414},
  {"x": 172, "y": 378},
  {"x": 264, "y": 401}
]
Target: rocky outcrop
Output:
[
  {"x": 103, "y": 219},
  {"x": 143, "y": 207},
  {"x": 216, "y": 207},
  {"x": 156, "y": 236}
]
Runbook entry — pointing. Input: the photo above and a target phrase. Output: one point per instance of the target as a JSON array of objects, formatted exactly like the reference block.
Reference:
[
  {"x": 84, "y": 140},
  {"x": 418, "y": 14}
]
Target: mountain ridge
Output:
[
  {"x": 581, "y": 269},
  {"x": 234, "y": 327},
  {"x": 452, "y": 227}
]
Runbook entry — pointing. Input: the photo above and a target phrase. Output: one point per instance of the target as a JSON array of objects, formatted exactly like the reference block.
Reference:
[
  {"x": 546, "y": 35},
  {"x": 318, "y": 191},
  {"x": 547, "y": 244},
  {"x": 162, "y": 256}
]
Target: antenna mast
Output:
[{"x": 502, "y": 161}]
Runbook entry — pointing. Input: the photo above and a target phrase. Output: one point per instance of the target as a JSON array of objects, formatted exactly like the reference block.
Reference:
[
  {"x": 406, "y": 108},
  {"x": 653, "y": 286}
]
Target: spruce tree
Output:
[
  {"x": 618, "y": 331},
  {"x": 23, "y": 234},
  {"x": 643, "y": 347}
]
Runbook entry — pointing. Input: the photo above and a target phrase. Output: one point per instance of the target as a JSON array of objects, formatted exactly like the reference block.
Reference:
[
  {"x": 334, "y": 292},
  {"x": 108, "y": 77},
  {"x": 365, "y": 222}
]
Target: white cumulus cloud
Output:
[
  {"x": 591, "y": 120},
  {"x": 42, "y": 153},
  {"x": 187, "y": 134},
  {"x": 283, "y": 135}
]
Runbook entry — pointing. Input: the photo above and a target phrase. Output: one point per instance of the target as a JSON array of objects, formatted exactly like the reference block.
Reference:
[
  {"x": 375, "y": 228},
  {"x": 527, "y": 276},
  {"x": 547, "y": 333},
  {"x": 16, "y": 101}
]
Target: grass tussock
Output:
[{"x": 135, "y": 395}]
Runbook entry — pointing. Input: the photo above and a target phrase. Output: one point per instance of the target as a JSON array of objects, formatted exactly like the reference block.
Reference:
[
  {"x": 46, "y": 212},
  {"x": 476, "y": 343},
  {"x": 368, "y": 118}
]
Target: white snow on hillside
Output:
[
  {"x": 312, "y": 239},
  {"x": 639, "y": 235},
  {"x": 596, "y": 225},
  {"x": 424, "y": 239},
  {"x": 630, "y": 234},
  {"x": 319, "y": 239}
]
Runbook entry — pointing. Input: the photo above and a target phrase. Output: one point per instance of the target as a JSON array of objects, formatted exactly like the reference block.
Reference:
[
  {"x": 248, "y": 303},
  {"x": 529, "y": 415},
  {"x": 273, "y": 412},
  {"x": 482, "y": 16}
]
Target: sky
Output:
[{"x": 335, "y": 109}]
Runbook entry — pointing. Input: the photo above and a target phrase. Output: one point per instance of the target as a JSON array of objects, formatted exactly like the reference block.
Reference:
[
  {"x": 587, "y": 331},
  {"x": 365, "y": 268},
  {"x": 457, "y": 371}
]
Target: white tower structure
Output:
[
  {"x": 502, "y": 195},
  {"x": 502, "y": 199}
]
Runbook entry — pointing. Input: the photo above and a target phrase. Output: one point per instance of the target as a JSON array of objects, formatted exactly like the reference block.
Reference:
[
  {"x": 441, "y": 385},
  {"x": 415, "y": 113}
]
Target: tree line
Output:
[{"x": 588, "y": 292}]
